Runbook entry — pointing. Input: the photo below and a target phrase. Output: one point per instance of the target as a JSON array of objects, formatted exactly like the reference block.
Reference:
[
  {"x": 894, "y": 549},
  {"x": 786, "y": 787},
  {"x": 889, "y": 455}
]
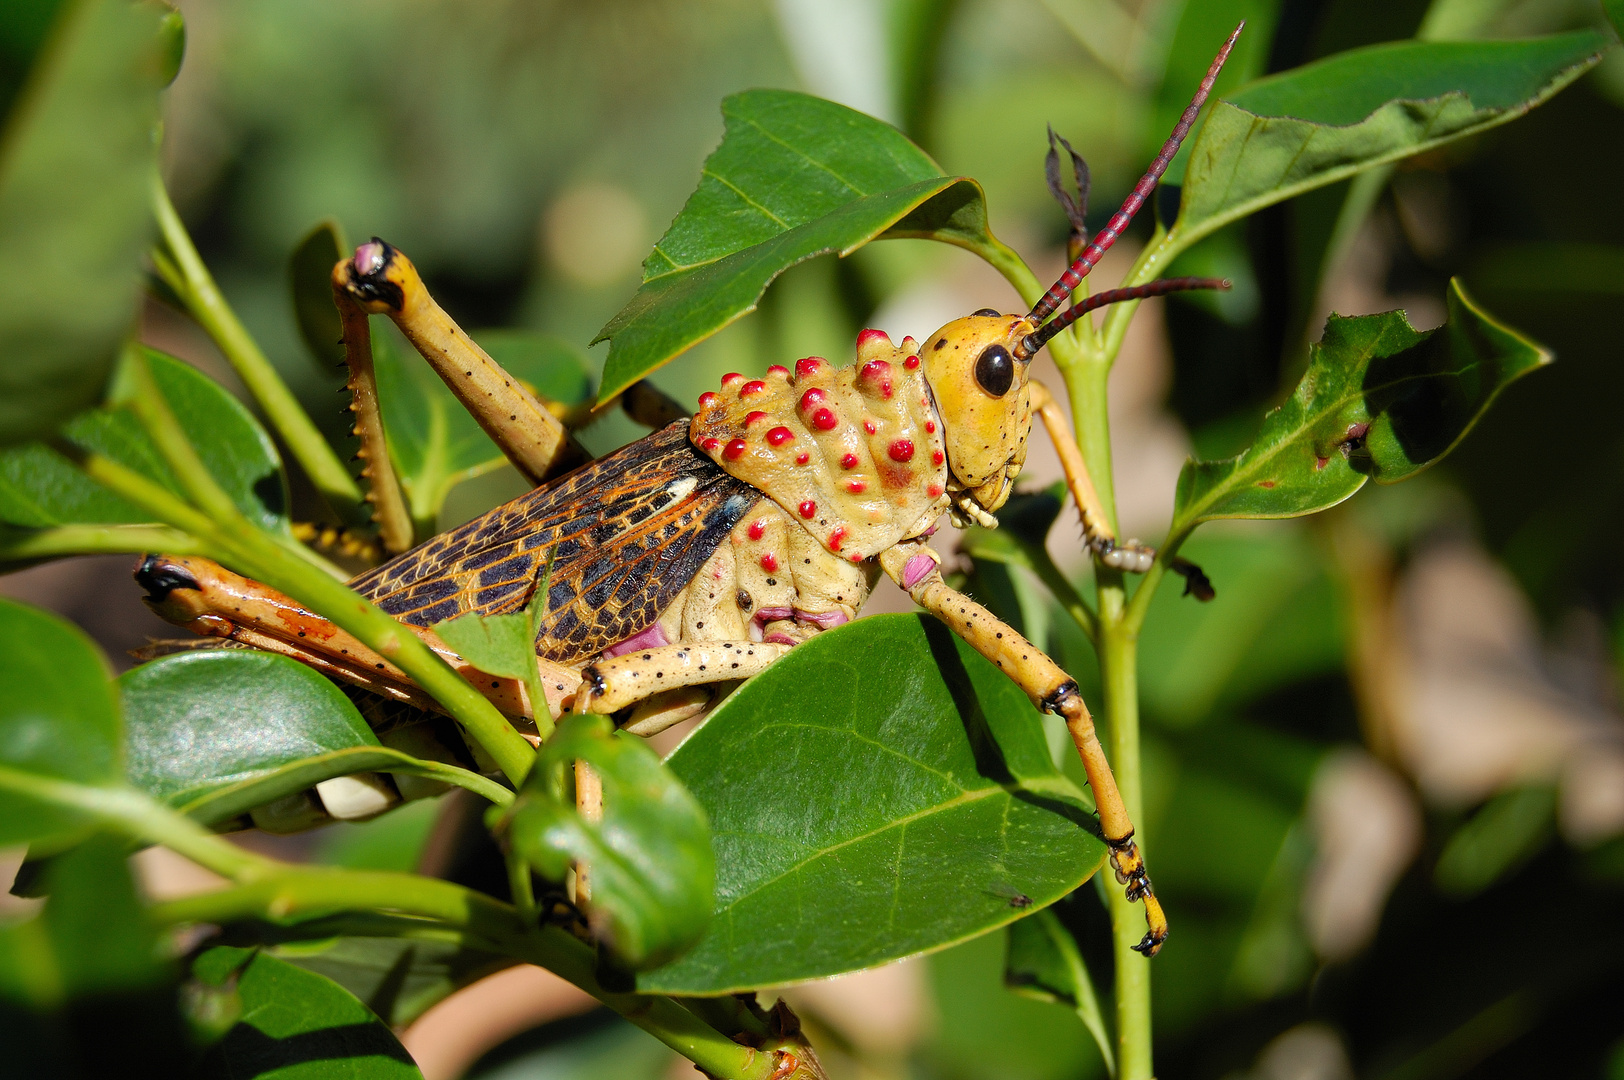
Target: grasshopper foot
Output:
[{"x": 1130, "y": 871}]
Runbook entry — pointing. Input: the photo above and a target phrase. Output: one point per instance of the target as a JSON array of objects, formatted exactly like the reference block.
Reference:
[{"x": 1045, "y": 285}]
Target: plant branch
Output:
[
  {"x": 182, "y": 269},
  {"x": 59, "y": 541}
]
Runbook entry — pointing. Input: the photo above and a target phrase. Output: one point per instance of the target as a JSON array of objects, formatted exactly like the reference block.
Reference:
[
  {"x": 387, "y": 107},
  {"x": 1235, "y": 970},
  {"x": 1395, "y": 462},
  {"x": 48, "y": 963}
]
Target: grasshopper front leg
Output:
[{"x": 914, "y": 566}]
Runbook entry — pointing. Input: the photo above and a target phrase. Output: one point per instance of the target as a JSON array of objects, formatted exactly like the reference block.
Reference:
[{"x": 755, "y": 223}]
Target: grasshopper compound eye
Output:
[{"x": 995, "y": 370}]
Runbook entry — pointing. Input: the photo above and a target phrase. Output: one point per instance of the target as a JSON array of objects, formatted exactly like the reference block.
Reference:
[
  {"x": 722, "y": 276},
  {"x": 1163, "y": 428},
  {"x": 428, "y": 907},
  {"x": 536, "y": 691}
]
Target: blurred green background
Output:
[{"x": 1385, "y": 767}]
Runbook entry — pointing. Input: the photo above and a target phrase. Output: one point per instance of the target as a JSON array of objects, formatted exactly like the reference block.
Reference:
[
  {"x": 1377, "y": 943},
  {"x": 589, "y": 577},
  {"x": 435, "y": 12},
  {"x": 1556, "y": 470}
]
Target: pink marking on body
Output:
[
  {"x": 753, "y": 416},
  {"x": 825, "y": 420},
  {"x": 769, "y": 562},
  {"x": 778, "y": 371},
  {"x": 936, "y": 457},
  {"x": 754, "y": 386},
  {"x": 867, "y": 337},
  {"x": 709, "y": 399},
  {"x": 802, "y": 458},
  {"x": 932, "y": 530},
  {"x": 856, "y": 557},
  {"x": 773, "y": 614},
  {"x": 780, "y": 435},
  {"x": 734, "y": 450},
  {"x": 930, "y": 427},
  {"x": 856, "y": 487},
  {"x": 808, "y": 366},
  {"x": 917, "y": 569},
  {"x": 651, "y": 638},
  {"x": 837, "y": 538},
  {"x": 757, "y": 528},
  {"x": 730, "y": 378},
  {"x": 911, "y": 363},
  {"x": 823, "y": 620},
  {"x": 807, "y": 508},
  {"x": 934, "y": 491},
  {"x": 709, "y": 444},
  {"x": 849, "y": 461},
  {"x": 368, "y": 258},
  {"x": 900, "y": 450},
  {"x": 868, "y": 426},
  {"x": 779, "y": 638}
]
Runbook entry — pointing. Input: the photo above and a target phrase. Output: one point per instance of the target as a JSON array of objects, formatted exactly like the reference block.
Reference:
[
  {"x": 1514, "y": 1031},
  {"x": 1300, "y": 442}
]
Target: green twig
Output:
[
  {"x": 182, "y": 269},
  {"x": 61, "y": 541}
]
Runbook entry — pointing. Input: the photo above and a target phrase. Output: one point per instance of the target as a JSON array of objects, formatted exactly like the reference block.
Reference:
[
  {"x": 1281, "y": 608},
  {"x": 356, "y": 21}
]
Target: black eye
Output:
[
  {"x": 995, "y": 371},
  {"x": 985, "y": 313}
]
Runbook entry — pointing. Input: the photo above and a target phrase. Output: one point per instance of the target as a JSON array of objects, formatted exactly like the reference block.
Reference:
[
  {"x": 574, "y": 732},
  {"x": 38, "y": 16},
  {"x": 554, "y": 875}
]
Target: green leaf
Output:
[
  {"x": 501, "y": 645},
  {"x": 653, "y": 875},
  {"x": 297, "y": 1024},
  {"x": 1323, "y": 122},
  {"x": 1614, "y": 10},
  {"x": 433, "y": 441},
  {"x": 794, "y": 177},
  {"x": 39, "y": 488},
  {"x": 1380, "y": 400},
  {"x": 1043, "y": 963},
  {"x": 399, "y": 980},
  {"x": 596, "y": 1046},
  {"x": 1507, "y": 832},
  {"x": 59, "y": 719},
  {"x": 310, "y": 277},
  {"x": 880, "y": 791},
  {"x": 77, "y": 157}
]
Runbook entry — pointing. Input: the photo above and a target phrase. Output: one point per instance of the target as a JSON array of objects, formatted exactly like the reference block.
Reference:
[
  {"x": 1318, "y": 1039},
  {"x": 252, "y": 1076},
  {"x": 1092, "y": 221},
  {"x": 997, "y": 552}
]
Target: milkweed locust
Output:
[{"x": 694, "y": 558}]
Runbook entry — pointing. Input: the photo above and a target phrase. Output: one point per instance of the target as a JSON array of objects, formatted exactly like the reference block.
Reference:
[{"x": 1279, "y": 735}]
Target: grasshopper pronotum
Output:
[{"x": 696, "y": 557}]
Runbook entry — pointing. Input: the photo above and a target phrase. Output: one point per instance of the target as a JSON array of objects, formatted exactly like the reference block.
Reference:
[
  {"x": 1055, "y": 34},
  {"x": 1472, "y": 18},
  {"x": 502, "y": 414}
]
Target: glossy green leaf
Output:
[
  {"x": 1504, "y": 834},
  {"x": 296, "y": 1025},
  {"x": 653, "y": 875},
  {"x": 1614, "y": 10},
  {"x": 794, "y": 177},
  {"x": 1043, "y": 963},
  {"x": 880, "y": 791},
  {"x": 39, "y": 488},
  {"x": 59, "y": 719},
  {"x": 77, "y": 156},
  {"x": 1201, "y": 30},
  {"x": 434, "y": 442},
  {"x": 310, "y": 278},
  {"x": 22, "y": 34},
  {"x": 1323, "y": 122},
  {"x": 398, "y": 979},
  {"x": 501, "y": 645},
  {"x": 1380, "y": 400}
]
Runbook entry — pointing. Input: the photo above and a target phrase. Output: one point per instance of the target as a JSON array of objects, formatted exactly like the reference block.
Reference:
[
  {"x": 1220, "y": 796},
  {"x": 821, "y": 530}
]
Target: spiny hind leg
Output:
[
  {"x": 607, "y": 686},
  {"x": 1098, "y": 535},
  {"x": 914, "y": 566}
]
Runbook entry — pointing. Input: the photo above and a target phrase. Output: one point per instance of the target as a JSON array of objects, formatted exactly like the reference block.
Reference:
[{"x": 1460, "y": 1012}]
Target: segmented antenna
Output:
[
  {"x": 1107, "y": 236},
  {"x": 1162, "y": 286}
]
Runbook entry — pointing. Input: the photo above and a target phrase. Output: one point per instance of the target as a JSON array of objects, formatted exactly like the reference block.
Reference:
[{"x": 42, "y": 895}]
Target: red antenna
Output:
[
  {"x": 1162, "y": 286},
  {"x": 1060, "y": 290}
]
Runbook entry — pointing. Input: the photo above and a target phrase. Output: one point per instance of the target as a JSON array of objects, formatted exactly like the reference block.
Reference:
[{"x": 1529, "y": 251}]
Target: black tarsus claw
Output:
[
  {"x": 1149, "y": 944},
  {"x": 1196, "y": 583}
]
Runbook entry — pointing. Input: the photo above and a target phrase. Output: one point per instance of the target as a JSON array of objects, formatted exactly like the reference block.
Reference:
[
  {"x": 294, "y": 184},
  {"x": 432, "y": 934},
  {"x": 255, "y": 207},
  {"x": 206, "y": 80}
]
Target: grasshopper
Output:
[{"x": 694, "y": 558}]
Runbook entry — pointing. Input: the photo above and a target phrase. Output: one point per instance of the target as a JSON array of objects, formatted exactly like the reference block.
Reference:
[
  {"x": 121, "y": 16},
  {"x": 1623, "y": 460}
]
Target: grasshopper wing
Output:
[{"x": 628, "y": 530}]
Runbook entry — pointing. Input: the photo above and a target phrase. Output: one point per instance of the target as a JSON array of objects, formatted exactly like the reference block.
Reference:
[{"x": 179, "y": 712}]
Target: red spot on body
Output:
[
  {"x": 936, "y": 457},
  {"x": 837, "y": 538},
  {"x": 769, "y": 562},
  {"x": 802, "y": 458},
  {"x": 709, "y": 444},
  {"x": 868, "y": 426},
  {"x": 875, "y": 378},
  {"x": 825, "y": 420},
  {"x": 866, "y": 337},
  {"x": 911, "y": 363},
  {"x": 808, "y": 366},
  {"x": 930, "y": 427},
  {"x": 757, "y": 528},
  {"x": 730, "y": 378},
  {"x": 849, "y": 461},
  {"x": 754, "y": 386},
  {"x": 901, "y": 450},
  {"x": 1265, "y": 483},
  {"x": 778, "y": 436},
  {"x": 856, "y": 487},
  {"x": 778, "y": 370},
  {"x": 812, "y": 399},
  {"x": 708, "y": 399},
  {"x": 734, "y": 450},
  {"x": 754, "y": 415},
  {"x": 934, "y": 491},
  {"x": 856, "y": 557},
  {"x": 808, "y": 508}
]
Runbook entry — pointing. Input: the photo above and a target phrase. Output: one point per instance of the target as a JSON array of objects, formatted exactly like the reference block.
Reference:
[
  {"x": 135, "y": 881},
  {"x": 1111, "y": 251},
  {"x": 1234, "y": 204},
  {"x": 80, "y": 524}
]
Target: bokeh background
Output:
[{"x": 1385, "y": 768}]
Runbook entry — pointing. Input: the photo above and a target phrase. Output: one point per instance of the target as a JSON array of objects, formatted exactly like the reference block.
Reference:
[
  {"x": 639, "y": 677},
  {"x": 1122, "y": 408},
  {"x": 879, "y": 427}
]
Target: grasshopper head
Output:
[{"x": 977, "y": 370}]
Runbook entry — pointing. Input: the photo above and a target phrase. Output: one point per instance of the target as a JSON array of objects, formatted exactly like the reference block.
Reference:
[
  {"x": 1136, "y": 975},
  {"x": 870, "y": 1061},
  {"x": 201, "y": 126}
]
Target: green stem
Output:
[
  {"x": 63, "y": 540},
  {"x": 182, "y": 269}
]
